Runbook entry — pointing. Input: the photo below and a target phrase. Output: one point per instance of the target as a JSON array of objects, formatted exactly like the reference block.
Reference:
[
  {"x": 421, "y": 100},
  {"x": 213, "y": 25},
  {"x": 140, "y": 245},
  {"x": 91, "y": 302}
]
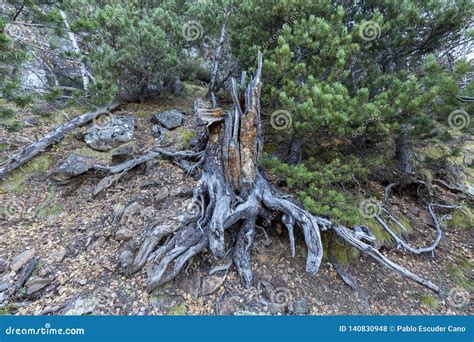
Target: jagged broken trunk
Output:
[{"x": 232, "y": 194}]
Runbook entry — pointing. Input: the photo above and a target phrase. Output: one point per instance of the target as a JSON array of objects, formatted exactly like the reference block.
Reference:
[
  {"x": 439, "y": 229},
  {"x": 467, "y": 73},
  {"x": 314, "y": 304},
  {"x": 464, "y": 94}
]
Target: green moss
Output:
[
  {"x": 462, "y": 218},
  {"x": 193, "y": 90},
  {"x": 39, "y": 164},
  {"x": 61, "y": 116},
  {"x": 184, "y": 137},
  {"x": 5, "y": 311},
  {"x": 430, "y": 301},
  {"x": 459, "y": 273},
  {"x": 436, "y": 152},
  {"x": 16, "y": 182},
  {"x": 39, "y": 265},
  {"x": 270, "y": 148},
  {"x": 12, "y": 125},
  {"x": 50, "y": 207},
  {"x": 178, "y": 310},
  {"x": 104, "y": 157}
]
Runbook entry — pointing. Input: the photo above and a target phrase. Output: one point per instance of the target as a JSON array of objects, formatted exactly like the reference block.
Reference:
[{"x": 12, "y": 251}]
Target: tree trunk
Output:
[
  {"x": 232, "y": 194},
  {"x": 77, "y": 50},
  {"x": 404, "y": 151}
]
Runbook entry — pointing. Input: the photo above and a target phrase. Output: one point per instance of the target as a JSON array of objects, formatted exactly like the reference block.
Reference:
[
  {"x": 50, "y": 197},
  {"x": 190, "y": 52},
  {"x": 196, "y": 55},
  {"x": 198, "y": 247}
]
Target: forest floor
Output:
[{"x": 74, "y": 235}]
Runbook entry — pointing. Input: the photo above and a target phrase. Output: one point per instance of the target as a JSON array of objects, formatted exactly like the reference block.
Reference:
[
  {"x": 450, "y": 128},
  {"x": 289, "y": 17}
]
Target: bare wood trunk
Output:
[
  {"x": 75, "y": 47},
  {"x": 217, "y": 55},
  {"x": 233, "y": 192}
]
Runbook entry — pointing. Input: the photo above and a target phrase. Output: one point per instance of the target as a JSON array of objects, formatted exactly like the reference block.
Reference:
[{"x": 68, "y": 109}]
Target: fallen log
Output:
[{"x": 51, "y": 138}]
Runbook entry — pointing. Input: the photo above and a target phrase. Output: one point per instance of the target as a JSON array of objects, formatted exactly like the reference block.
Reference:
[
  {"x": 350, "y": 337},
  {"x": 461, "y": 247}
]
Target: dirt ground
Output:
[{"x": 74, "y": 236}]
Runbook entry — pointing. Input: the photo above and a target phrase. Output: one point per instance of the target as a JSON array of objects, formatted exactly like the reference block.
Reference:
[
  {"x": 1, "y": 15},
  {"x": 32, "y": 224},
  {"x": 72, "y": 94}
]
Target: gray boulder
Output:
[
  {"x": 81, "y": 305},
  {"x": 169, "y": 119},
  {"x": 112, "y": 133},
  {"x": 22, "y": 259},
  {"x": 76, "y": 164}
]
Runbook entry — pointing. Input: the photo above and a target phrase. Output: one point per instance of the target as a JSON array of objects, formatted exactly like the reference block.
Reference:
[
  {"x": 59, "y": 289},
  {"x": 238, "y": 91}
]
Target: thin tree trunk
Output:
[
  {"x": 215, "y": 66},
  {"x": 77, "y": 50}
]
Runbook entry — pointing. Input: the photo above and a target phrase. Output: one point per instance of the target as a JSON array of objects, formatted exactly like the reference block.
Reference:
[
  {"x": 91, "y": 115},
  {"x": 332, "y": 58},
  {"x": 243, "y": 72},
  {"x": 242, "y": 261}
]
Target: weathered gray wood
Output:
[
  {"x": 232, "y": 193},
  {"x": 52, "y": 138}
]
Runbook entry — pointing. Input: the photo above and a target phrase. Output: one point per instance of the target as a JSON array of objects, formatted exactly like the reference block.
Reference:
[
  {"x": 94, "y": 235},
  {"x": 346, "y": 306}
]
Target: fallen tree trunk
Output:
[
  {"x": 51, "y": 138},
  {"x": 232, "y": 194}
]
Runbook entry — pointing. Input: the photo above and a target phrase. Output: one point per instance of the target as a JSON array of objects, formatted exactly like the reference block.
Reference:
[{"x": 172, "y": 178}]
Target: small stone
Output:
[
  {"x": 81, "y": 306},
  {"x": 211, "y": 284},
  {"x": 159, "y": 131},
  {"x": 58, "y": 255},
  {"x": 36, "y": 283},
  {"x": 21, "y": 259},
  {"x": 189, "y": 283},
  {"x": 123, "y": 234},
  {"x": 118, "y": 212},
  {"x": 229, "y": 306},
  {"x": 299, "y": 307},
  {"x": 76, "y": 164},
  {"x": 169, "y": 119},
  {"x": 126, "y": 259},
  {"x": 3, "y": 297},
  {"x": 82, "y": 281},
  {"x": 3, "y": 264},
  {"x": 31, "y": 121},
  {"x": 162, "y": 194}
]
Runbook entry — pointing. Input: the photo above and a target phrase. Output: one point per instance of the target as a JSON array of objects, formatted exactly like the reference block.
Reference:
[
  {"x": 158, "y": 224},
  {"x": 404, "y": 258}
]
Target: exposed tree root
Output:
[{"x": 233, "y": 193}]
